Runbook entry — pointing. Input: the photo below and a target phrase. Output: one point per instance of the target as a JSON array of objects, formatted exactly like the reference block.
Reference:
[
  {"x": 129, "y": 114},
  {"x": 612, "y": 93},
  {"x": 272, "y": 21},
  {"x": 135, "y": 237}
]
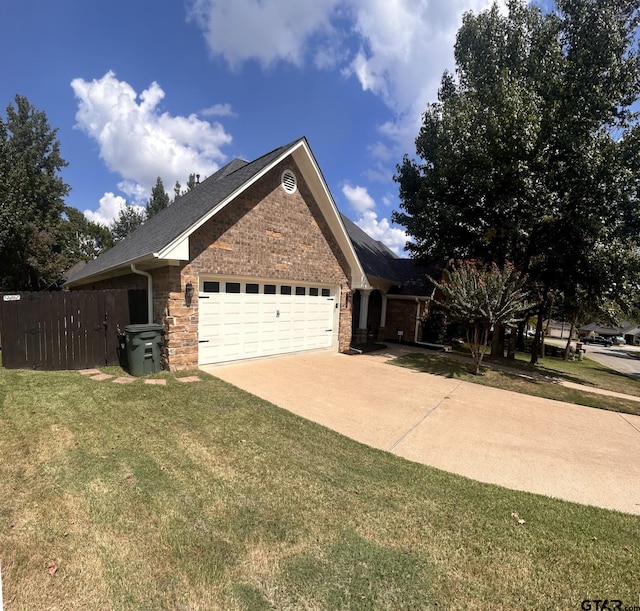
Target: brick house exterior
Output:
[
  {"x": 263, "y": 232},
  {"x": 266, "y": 237}
]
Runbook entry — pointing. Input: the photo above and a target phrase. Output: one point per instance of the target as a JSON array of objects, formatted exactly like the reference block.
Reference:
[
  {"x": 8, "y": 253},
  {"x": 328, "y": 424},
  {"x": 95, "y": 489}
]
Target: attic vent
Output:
[{"x": 289, "y": 183}]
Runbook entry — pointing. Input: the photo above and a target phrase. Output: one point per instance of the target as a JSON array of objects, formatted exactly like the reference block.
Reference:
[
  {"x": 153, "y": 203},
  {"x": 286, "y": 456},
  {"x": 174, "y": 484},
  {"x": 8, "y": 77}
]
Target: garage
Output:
[{"x": 249, "y": 318}]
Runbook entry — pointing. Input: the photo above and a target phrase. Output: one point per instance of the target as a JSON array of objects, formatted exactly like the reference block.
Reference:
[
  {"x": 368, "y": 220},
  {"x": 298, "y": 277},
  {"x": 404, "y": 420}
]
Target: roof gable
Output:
[{"x": 165, "y": 235}]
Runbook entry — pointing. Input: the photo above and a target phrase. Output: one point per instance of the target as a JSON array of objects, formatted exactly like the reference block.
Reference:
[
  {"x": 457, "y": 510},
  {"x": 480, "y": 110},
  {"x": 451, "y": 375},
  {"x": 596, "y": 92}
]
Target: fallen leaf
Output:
[{"x": 52, "y": 568}]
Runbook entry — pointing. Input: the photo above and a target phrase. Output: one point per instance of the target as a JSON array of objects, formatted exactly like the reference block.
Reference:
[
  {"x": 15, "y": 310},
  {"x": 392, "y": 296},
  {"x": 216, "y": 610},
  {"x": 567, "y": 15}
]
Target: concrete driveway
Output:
[{"x": 566, "y": 451}]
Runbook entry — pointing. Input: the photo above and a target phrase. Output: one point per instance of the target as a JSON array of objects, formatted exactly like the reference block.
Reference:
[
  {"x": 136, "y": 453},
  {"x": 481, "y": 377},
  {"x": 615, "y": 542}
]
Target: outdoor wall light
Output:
[{"x": 188, "y": 292}]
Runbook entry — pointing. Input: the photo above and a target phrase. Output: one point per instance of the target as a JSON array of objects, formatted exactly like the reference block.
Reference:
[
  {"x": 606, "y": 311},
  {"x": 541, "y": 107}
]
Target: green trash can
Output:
[{"x": 143, "y": 348}]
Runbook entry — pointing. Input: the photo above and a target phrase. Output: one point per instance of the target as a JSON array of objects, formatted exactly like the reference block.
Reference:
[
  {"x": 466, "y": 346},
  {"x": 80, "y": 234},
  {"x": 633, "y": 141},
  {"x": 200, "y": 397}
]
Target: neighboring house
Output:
[
  {"x": 595, "y": 328},
  {"x": 631, "y": 333},
  {"x": 256, "y": 261},
  {"x": 559, "y": 329}
]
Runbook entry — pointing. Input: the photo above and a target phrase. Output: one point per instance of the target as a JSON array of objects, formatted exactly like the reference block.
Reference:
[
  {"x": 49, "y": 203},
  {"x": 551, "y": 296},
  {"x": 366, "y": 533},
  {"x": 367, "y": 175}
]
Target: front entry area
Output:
[{"x": 244, "y": 319}]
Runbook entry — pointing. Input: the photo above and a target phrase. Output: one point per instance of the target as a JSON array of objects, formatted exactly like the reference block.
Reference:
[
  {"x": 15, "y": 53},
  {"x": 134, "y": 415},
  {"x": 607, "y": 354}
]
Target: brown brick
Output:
[
  {"x": 222, "y": 245},
  {"x": 242, "y": 240}
]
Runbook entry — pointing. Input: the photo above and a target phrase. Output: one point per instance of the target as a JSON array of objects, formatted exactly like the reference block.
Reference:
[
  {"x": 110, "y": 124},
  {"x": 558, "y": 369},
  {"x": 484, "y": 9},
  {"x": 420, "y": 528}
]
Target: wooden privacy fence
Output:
[{"x": 66, "y": 329}]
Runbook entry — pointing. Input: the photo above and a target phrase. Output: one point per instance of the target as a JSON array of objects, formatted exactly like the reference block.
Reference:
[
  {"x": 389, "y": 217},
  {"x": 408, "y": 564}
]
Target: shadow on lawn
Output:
[{"x": 460, "y": 366}]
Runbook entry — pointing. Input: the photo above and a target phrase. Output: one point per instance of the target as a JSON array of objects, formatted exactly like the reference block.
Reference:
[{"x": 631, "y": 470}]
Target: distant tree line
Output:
[
  {"x": 40, "y": 236},
  {"x": 131, "y": 217}
]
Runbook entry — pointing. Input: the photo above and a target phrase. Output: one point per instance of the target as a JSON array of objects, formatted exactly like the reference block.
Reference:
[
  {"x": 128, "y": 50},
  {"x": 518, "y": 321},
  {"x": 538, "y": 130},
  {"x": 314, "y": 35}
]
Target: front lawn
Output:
[
  {"x": 201, "y": 496},
  {"x": 540, "y": 381}
]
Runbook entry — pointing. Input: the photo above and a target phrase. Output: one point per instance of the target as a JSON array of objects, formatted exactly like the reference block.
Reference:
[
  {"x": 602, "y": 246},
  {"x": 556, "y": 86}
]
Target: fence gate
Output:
[{"x": 66, "y": 329}]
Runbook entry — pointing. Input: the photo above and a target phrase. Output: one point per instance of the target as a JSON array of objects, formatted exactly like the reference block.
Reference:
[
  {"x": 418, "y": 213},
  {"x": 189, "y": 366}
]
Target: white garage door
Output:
[{"x": 241, "y": 319}]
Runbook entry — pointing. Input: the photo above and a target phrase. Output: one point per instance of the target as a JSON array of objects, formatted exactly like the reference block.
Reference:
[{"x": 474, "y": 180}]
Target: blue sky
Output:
[{"x": 141, "y": 88}]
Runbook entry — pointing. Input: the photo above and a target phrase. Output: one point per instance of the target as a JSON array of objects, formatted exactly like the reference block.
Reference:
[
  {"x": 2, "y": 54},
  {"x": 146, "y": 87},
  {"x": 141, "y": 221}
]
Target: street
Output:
[{"x": 625, "y": 359}]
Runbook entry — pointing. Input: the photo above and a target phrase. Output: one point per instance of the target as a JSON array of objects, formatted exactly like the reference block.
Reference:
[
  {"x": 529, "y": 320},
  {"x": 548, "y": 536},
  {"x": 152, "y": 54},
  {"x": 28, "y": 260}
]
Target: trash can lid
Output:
[{"x": 139, "y": 328}]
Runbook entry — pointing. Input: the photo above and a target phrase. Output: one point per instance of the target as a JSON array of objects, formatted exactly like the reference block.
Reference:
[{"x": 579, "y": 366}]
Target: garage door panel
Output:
[{"x": 261, "y": 319}]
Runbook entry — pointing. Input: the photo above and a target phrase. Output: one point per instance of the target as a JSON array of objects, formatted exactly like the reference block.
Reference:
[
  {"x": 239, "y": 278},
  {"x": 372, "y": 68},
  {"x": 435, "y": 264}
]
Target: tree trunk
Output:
[
  {"x": 573, "y": 326},
  {"x": 520, "y": 336},
  {"x": 537, "y": 340},
  {"x": 511, "y": 350},
  {"x": 497, "y": 344}
]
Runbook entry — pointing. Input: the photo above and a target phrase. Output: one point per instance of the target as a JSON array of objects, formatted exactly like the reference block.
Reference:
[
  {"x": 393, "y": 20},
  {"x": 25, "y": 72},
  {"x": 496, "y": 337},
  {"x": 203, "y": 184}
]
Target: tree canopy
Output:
[
  {"x": 31, "y": 199},
  {"x": 530, "y": 154},
  {"x": 83, "y": 240},
  {"x": 159, "y": 199},
  {"x": 129, "y": 219},
  {"x": 480, "y": 297}
]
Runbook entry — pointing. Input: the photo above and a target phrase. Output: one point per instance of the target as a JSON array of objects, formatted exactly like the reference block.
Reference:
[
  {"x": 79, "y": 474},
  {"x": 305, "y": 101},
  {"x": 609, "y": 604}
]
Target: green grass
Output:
[
  {"x": 540, "y": 381},
  {"x": 201, "y": 496}
]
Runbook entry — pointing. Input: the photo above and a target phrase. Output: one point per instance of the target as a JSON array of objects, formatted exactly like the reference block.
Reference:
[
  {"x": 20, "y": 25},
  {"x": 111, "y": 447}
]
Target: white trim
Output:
[
  {"x": 320, "y": 191},
  {"x": 307, "y": 164}
]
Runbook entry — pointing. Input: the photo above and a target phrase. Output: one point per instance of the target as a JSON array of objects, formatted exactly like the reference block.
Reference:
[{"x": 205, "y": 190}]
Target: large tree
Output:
[
  {"x": 82, "y": 240},
  {"x": 529, "y": 155},
  {"x": 129, "y": 219},
  {"x": 159, "y": 199},
  {"x": 31, "y": 199}
]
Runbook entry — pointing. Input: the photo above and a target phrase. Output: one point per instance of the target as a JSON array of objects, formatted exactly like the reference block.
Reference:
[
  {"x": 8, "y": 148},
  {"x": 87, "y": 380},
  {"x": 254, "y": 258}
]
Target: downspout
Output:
[
  {"x": 415, "y": 335},
  {"x": 135, "y": 270}
]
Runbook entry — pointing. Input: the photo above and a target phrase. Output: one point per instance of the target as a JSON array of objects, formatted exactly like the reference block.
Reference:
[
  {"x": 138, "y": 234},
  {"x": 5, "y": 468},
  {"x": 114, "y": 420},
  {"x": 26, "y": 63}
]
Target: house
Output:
[
  {"x": 594, "y": 328},
  {"x": 399, "y": 296},
  {"x": 631, "y": 334},
  {"x": 256, "y": 261}
]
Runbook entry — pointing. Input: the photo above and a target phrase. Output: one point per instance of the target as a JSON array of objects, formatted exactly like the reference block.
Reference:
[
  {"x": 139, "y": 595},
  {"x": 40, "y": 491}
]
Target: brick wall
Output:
[
  {"x": 268, "y": 233},
  {"x": 264, "y": 233},
  {"x": 401, "y": 316},
  {"x": 130, "y": 281}
]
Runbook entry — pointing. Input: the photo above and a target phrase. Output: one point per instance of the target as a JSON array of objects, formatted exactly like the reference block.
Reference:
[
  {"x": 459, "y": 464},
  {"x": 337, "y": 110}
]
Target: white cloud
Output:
[
  {"x": 397, "y": 49},
  {"x": 359, "y": 198},
  {"x": 379, "y": 229},
  {"x": 109, "y": 209},
  {"x": 218, "y": 110},
  {"x": 140, "y": 142},
  {"x": 266, "y": 31}
]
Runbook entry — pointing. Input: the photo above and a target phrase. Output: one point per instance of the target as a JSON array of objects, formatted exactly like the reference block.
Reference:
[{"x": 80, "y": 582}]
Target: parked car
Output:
[
  {"x": 618, "y": 340},
  {"x": 599, "y": 340}
]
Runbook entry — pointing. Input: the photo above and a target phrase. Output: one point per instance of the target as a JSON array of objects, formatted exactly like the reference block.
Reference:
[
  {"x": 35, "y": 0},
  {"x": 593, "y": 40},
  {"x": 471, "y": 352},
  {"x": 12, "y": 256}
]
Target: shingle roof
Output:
[
  {"x": 380, "y": 261},
  {"x": 374, "y": 256},
  {"x": 172, "y": 222},
  {"x": 163, "y": 229}
]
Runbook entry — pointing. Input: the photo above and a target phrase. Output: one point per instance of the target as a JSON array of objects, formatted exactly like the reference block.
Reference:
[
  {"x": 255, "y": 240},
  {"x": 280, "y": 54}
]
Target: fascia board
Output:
[
  {"x": 184, "y": 236},
  {"x": 315, "y": 180}
]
